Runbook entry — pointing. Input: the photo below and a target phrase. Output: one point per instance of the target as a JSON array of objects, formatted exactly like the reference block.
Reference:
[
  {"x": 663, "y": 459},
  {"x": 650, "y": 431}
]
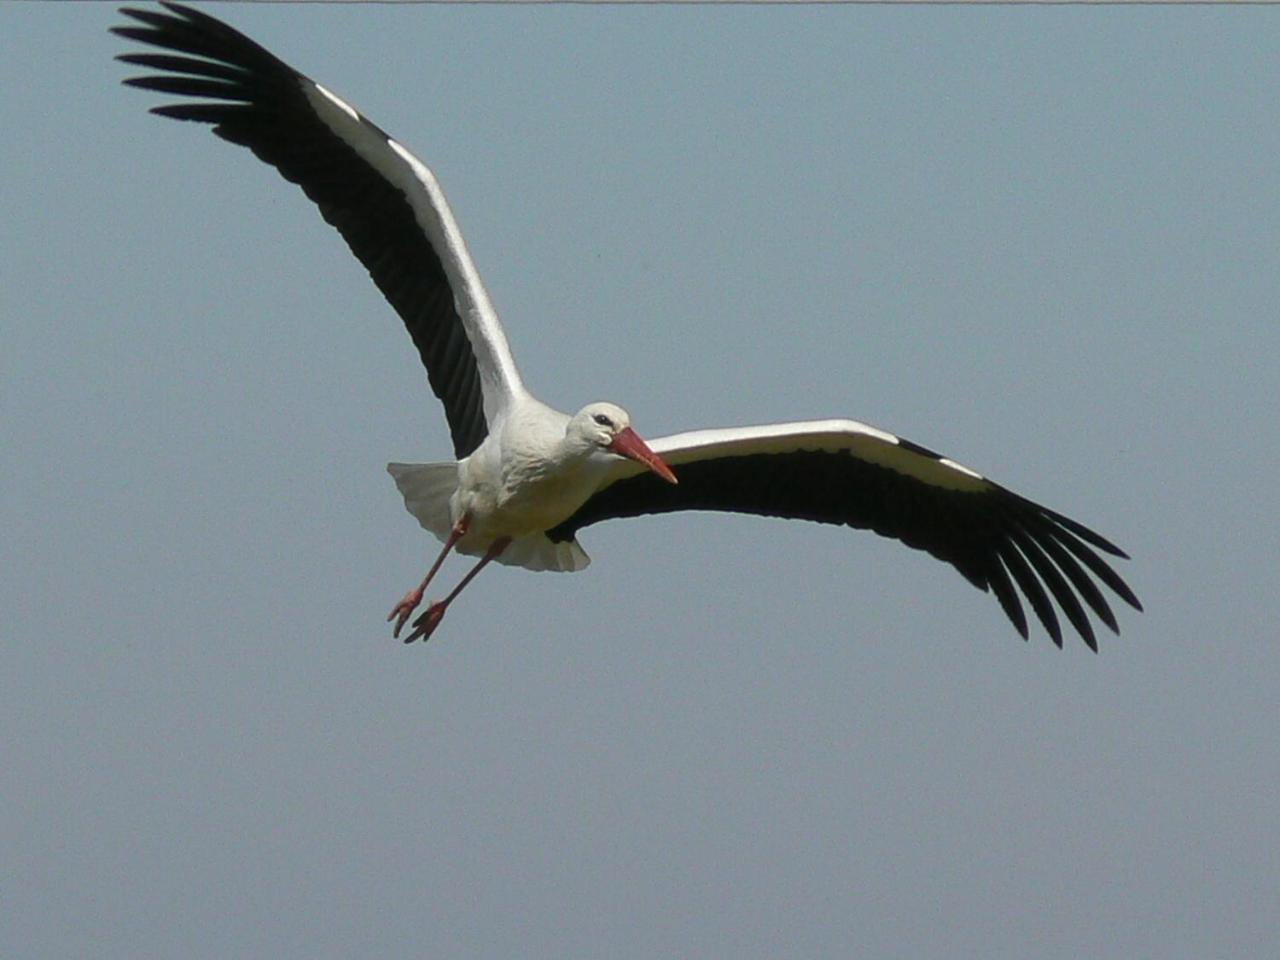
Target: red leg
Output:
[
  {"x": 426, "y": 624},
  {"x": 402, "y": 610}
]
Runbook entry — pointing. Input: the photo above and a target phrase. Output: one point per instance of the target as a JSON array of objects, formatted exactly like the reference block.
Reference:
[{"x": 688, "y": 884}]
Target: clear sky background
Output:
[{"x": 1045, "y": 242}]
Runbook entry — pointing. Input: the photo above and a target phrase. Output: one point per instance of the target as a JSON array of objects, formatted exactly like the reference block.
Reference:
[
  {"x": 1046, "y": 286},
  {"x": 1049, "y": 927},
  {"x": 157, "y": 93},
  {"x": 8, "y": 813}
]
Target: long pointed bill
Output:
[{"x": 628, "y": 444}]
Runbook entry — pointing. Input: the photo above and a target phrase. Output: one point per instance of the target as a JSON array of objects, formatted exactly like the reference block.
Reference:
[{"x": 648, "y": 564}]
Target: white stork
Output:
[{"x": 527, "y": 477}]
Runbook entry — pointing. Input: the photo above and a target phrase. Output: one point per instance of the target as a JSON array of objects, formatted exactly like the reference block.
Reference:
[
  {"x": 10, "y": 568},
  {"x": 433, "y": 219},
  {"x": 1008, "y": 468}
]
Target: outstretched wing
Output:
[
  {"x": 383, "y": 200},
  {"x": 845, "y": 472}
]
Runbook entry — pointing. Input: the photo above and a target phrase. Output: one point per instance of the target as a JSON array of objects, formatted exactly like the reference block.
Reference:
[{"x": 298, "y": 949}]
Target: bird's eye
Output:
[{"x": 601, "y": 419}]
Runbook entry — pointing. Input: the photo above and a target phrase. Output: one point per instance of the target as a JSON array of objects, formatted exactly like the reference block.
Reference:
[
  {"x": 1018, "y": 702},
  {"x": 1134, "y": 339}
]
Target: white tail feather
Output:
[{"x": 427, "y": 488}]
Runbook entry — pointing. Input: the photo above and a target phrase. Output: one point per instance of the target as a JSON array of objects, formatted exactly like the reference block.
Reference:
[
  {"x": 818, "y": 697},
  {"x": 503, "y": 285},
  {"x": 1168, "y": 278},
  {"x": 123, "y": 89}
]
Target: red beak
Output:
[{"x": 628, "y": 444}]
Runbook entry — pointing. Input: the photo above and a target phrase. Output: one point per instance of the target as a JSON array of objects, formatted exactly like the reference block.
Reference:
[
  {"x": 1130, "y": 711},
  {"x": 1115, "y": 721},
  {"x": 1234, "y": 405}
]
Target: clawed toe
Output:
[
  {"x": 426, "y": 624},
  {"x": 401, "y": 612}
]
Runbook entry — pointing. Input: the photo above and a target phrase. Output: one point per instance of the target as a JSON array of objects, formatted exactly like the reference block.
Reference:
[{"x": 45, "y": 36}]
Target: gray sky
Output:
[{"x": 1041, "y": 241}]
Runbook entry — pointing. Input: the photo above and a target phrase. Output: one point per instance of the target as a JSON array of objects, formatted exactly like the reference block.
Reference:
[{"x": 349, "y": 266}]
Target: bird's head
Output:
[{"x": 607, "y": 427}]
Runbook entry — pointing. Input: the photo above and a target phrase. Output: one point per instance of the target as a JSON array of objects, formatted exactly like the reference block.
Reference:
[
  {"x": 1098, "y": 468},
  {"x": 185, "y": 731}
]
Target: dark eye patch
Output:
[{"x": 601, "y": 419}]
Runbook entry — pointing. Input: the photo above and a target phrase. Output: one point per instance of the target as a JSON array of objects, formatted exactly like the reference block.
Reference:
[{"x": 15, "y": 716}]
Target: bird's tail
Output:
[{"x": 426, "y": 488}]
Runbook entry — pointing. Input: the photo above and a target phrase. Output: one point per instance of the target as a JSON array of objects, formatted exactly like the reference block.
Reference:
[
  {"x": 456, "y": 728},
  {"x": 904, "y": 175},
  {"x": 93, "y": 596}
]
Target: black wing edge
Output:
[
  {"x": 999, "y": 541},
  {"x": 253, "y": 98}
]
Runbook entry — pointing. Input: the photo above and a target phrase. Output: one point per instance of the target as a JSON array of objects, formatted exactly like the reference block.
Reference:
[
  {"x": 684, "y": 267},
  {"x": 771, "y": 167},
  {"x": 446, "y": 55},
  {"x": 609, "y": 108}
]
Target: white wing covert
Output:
[
  {"x": 845, "y": 472},
  {"x": 384, "y": 201}
]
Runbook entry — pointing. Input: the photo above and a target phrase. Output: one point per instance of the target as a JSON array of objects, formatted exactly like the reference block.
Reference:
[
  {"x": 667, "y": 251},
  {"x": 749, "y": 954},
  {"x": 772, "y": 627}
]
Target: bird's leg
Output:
[
  {"x": 402, "y": 610},
  {"x": 426, "y": 624}
]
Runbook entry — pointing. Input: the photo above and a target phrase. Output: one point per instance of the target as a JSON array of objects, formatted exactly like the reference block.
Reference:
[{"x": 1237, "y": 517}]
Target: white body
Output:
[{"x": 523, "y": 480}]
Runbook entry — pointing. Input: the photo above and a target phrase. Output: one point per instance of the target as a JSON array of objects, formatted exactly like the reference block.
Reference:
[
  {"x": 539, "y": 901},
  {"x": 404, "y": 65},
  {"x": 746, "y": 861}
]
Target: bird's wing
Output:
[
  {"x": 384, "y": 201},
  {"x": 842, "y": 471}
]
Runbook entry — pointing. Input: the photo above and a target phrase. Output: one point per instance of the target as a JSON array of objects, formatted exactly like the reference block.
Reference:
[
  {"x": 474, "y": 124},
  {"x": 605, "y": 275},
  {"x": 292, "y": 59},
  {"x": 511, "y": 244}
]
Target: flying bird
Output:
[{"x": 528, "y": 477}]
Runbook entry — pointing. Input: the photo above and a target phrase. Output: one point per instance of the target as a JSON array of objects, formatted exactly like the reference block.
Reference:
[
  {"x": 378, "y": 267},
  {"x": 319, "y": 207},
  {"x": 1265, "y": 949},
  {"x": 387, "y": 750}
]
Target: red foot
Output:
[
  {"x": 426, "y": 624},
  {"x": 403, "y": 610}
]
